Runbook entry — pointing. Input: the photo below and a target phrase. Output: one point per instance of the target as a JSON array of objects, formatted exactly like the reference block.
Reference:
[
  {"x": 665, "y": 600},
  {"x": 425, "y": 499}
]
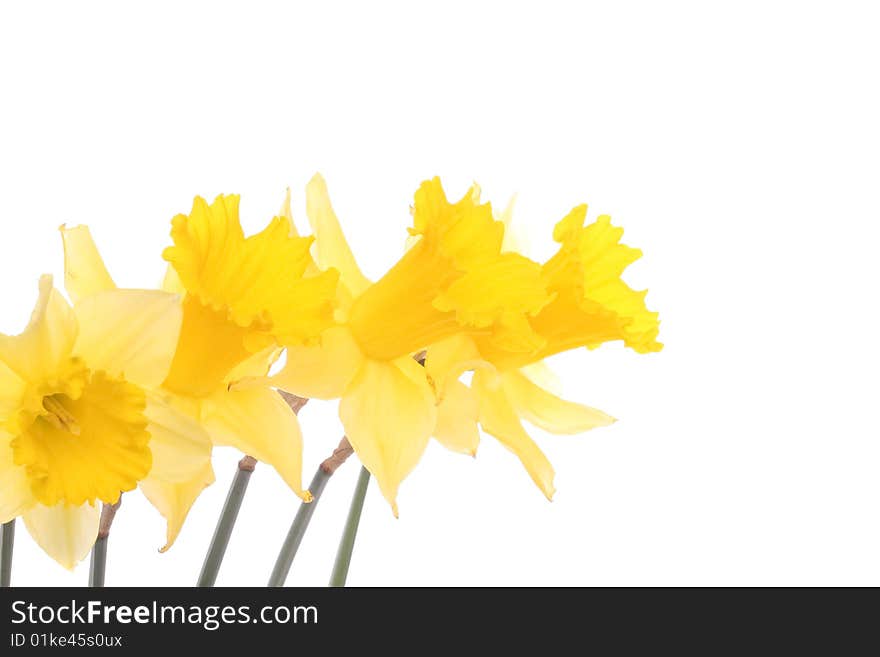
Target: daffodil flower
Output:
[
  {"x": 455, "y": 278},
  {"x": 79, "y": 423},
  {"x": 591, "y": 305},
  {"x": 461, "y": 293},
  {"x": 244, "y": 300}
]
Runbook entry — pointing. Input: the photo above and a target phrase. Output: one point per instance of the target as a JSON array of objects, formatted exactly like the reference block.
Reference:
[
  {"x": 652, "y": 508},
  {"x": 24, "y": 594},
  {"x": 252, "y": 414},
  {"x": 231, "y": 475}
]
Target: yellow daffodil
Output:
[
  {"x": 244, "y": 300},
  {"x": 455, "y": 278},
  {"x": 591, "y": 305},
  {"x": 461, "y": 293},
  {"x": 79, "y": 423}
]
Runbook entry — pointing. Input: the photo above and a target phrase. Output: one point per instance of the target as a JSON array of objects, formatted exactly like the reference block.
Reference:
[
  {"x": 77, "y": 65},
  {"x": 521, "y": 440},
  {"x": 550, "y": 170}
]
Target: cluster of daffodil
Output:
[{"x": 123, "y": 388}]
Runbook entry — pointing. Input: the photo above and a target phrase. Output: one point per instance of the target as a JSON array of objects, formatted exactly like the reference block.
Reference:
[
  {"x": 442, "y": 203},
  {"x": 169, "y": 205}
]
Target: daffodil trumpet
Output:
[{"x": 305, "y": 512}]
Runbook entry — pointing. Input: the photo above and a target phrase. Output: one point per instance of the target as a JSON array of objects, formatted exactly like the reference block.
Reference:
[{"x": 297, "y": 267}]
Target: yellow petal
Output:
[
  {"x": 498, "y": 418},
  {"x": 457, "y": 416},
  {"x": 448, "y": 359},
  {"x": 12, "y": 391},
  {"x": 179, "y": 444},
  {"x": 258, "y": 422},
  {"x": 45, "y": 346},
  {"x": 174, "y": 500},
  {"x": 512, "y": 240},
  {"x": 548, "y": 411},
  {"x": 389, "y": 414},
  {"x": 15, "y": 490},
  {"x": 257, "y": 365},
  {"x": 171, "y": 283},
  {"x": 331, "y": 248},
  {"x": 84, "y": 270},
  {"x": 66, "y": 533},
  {"x": 287, "y": 213},
  {"x": 321, "y": 372},
  {"x": 129, "y": 333},
  {"x": 541, "y": 374}
]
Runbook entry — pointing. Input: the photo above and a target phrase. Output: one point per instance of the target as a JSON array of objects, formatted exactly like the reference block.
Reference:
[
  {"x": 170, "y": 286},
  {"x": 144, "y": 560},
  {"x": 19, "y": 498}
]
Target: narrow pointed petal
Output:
[
  {"x": 66, "y": 533},
  {"x": 174, "y": 500},
  {"x": 15, "y": 491},
  {"x": 541, "y": 374},
  {"x": 179, "y": 444},
  {"x": 84, "y": 270},
  {"x": 513, "y": 241},
  {"x": 498, "y": 418},
  {"x": 257, "y": 366},
  {"x": 130, "y": 333},
  {"x": 258, "y": 422},
  {"x": 457, "y": 416},
  {"x": 332, "y": 249},
  {"x": 448, "y": 359},
  {"x": 549, "y": 412},
  {"x": 389, "y": 414},
  {"x": 321, "y": 372},
  {"x": 172, "y": 283},
  {"x": 47, "y": 342}
]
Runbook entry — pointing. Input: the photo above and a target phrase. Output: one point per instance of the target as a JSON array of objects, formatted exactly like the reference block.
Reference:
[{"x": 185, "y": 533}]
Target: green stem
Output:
[
  {"x": 226, "y": 522},
  {"x": 349, "y": 533},
  {"x": 98, "y": 563},
  {"x": 298, "y": 529},
  {"x": 305, "y": 512},
  {"x": 7, "y": 541}
]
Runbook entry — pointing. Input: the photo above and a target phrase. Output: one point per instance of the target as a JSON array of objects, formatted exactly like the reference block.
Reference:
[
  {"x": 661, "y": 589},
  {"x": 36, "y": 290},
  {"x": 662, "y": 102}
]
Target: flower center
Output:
[
  {"x": 86, "y": 448},
  {"x": 59, "y": 417}
]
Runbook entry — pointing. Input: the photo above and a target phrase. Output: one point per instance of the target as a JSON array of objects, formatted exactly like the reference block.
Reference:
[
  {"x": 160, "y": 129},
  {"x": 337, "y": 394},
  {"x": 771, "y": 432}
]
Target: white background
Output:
[{"x": 738, "y": 147}]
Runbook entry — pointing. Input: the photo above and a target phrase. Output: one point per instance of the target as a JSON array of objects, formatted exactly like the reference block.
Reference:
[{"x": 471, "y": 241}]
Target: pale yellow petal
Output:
[
  {"x": 332, "y": 249},
  {"x": 174, "y": 500},
  {"x": 513, "y": 241},
  {"x": 457, "y": 416},
  {"x": 287, "y": 213},
  {"x": 498, "y": 418},
  {"x": 84, "y": 270},
  {"x": 321, "y": 372},
  {"x": 448, "y": 359},
  {"x": 547, "y": 411},
  {"x": 130, "y": 333},
  {"x": 12, "y": 391},
  {"x": 541, "y": 374},
  {"x": 37, "y": 354},
  {"x": 179, "y": 444},
  {"x": 15, "y": 490},
  {"x": 389, "y": 414},
  {"x": 258, "y": 422},
  {"x": 66, "y": 533},
  {"x": 172, "y": 283},
  {"x": 257, "y": 365}
]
